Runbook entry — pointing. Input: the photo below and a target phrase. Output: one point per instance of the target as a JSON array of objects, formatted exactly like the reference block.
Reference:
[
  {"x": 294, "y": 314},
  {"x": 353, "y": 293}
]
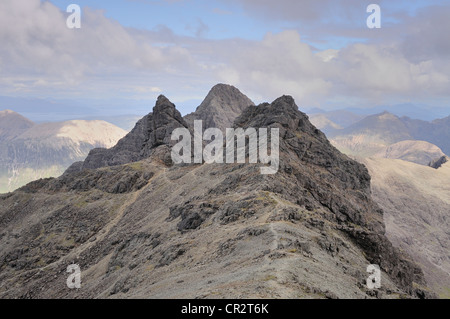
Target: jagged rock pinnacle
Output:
[
  {"x": 152, "y": 131},
  {"x": 163, "y": 101}
]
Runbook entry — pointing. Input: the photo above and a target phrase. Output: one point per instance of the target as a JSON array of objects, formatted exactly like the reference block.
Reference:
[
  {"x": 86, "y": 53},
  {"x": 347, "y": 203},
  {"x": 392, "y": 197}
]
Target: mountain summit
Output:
[
  {"x": 13, "y": 124},
  {"x": 150, "y": 132},
  {"x": 223, "y": 104},
  {"x": 151, "y": 229}
]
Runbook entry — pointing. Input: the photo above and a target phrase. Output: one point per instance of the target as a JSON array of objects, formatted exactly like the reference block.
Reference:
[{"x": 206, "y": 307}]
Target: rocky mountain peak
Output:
[
  {"x": 152, "y": 131},
  {"x": 285, "y": 101},
  {"x": 224, "y": 90},
  {"x": 165, "y": 112},
  {"x": 282, "y": 113},
  {"x": 165, "y": 119},
  {"x": 223, "y": 104},
  {"x": 163, "y": 104}
]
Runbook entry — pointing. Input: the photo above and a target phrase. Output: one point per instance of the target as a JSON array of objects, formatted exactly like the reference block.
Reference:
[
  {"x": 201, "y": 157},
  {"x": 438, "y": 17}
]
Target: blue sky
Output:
[
  {"x": 214, "y": 19},
  {"x": 183, "y": 17},
  {"x": 129, "y": 51}
]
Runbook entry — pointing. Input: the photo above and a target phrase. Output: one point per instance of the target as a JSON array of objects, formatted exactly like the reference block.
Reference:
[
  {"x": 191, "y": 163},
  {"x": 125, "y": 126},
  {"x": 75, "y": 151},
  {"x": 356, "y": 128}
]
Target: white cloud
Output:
[
  {"x": 283, "y": 64},
  {"x": 39, "y": 54},
  {"x": 36, "y": 42},
  {"x": 327, "y": 55}
]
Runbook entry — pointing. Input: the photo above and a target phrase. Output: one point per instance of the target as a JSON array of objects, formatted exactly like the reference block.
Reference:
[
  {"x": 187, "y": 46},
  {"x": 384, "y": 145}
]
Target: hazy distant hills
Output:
[
  {"x": 436, "y": 132},
  {"x": 323, "y": 122},
  {"x": 417, "y": 111},
  {"x": 29, "y": 151},
  {"x": 332, "y": 121},
  {"x": 12, "y": 124},
  {"x": 387, "y": 135},
  {"x": 411, "y": 110},
  {"x": 126, "y": 121},
  {"x": 385, "y": 126}
]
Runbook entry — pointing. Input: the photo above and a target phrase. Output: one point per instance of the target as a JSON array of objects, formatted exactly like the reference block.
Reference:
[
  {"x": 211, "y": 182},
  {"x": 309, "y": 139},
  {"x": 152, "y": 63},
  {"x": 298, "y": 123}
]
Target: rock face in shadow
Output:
[
  {"x": 437, "y": 163},
  {"x": 151, "y": 229},
  {"x": 223, "y": 104},
  {"x": 150, "y": 132}
]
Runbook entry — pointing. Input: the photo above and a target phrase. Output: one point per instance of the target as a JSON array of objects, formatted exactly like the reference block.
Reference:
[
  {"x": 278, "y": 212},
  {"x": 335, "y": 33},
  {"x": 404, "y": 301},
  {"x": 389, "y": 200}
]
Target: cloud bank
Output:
[{"x": 407, "y": 61}]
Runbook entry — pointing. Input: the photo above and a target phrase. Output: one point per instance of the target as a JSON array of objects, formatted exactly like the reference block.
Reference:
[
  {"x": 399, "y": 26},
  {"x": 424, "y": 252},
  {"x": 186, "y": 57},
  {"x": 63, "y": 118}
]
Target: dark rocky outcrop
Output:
[
  {"x": 438, "y": 162},
  {"x": 150, "y": 132}
]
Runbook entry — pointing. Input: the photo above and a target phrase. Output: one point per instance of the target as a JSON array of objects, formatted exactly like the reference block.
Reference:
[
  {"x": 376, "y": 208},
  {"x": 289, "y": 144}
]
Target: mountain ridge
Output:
[{"x": 149, "y": 228}]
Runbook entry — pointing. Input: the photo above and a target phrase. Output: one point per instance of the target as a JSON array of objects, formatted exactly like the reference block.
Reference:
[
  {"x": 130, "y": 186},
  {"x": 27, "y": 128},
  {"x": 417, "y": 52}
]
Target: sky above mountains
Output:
[{"x": 127, "y": 52}]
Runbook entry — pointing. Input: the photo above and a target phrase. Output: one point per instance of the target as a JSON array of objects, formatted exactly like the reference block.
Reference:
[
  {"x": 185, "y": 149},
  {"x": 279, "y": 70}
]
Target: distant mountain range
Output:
[
  {"x": 436, "y": 132},
  {"x": 125, "y": 122},
  {"x": 29, "y": 151},
  {"x": 335, "y": 120},
  {"x": 411, "y": 110},
  {"x": 390, "y": 136}
]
